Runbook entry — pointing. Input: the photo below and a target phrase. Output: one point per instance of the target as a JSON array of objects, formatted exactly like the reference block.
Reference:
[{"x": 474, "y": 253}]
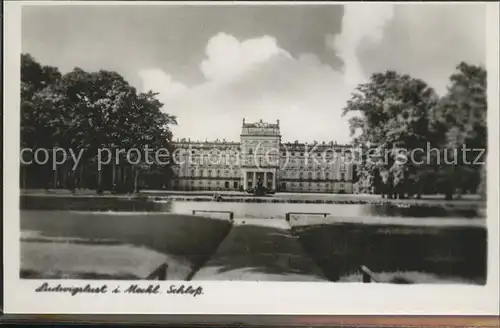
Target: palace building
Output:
[{"x": 260, "y": 155}]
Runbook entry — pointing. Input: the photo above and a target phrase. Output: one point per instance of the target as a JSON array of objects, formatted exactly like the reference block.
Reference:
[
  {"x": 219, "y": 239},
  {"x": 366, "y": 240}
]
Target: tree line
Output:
[
  {"x": 396, "y": 111},
  {"x": 96, "y": 110},
  {"x": 89, "y": 111}
]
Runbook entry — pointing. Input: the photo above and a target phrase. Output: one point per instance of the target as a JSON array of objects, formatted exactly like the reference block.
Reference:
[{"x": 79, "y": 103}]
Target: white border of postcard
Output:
[{"x": 240, "y": 297}]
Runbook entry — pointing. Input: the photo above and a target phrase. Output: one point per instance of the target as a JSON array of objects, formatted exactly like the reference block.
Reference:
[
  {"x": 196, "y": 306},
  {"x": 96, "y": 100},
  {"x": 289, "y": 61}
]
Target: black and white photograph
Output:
[{"x": 173, "y": 148}]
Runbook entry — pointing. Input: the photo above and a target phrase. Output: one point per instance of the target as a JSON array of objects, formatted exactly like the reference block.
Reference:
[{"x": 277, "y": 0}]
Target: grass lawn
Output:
[{"x": 63, "y": 241}]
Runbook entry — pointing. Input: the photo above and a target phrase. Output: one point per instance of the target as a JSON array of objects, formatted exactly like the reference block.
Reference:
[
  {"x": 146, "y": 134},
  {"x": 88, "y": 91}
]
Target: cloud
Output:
[
  {"x": 360, "y": 23},
  {"x": 257, "y": 79},
  {"x": 227, "y": 57},
  {"x": 157, "y": 80},
  {"x": 429, "y": 41}
]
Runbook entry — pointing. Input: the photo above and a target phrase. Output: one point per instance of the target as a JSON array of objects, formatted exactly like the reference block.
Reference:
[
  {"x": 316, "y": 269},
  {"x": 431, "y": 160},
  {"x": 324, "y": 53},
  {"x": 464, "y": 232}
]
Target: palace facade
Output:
[{"x": 261, "y": 156}]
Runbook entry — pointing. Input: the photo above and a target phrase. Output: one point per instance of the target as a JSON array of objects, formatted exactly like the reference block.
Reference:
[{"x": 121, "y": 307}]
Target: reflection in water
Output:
[
  {"x": 241, "y": 210},
  {"x": 270, "y": 210}
]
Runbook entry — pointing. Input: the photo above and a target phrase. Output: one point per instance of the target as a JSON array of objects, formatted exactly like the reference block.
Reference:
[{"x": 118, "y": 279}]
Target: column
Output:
[
  {"x": 254, "y": 179},
  {"x": 265, "y": 179},
  {"x": 274, "y": 180},
  {"x": 245, "y": 180}
]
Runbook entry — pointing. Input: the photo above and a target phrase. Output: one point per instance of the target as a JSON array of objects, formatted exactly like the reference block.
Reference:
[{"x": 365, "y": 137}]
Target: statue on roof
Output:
[{"x": 261, "y": 124}]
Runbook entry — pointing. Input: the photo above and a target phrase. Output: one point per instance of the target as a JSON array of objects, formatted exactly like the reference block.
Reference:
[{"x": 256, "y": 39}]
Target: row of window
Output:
[
  {"x": 227, "y": 184},
  {"x": 310, "y": 185},
  {"x": 312, "y": 163},
  {"x": 269, "y": 159},
  {"x": 210, "y": 173},
  {"x": 318, "y": 155},
  {"x": 286, "y": 168},
  {"x": 235, "y": 153},
  {"x": 235, "y": 185},
  {"x": 289, "y": 169},
  {"x": 301, "y": 175},
  {"x": 310, "y": 175}
]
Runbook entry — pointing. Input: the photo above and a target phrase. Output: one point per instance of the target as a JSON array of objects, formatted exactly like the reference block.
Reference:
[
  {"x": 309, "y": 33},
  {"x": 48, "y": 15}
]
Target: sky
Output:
[{"x": 215, "y": 65}]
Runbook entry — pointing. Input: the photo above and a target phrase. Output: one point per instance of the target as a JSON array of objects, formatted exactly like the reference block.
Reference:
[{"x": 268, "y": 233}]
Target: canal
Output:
[{"x": 127, "y": 238}]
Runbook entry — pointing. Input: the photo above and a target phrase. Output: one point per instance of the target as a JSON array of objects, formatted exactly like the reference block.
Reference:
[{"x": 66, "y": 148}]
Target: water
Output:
[
  {"x": 245, "y": 210},
  {"x": 130, "y": 236},
  {"x": 278, "y": 211}
]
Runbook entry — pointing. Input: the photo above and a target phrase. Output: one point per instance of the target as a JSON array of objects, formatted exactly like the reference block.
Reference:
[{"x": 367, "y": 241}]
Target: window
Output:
[
  {"x": 250, "y": 151},
  {"x": 209, "y": 173},
  {"x": 327, "y": 175},
  {"x": 218, "y": 173},
  {"x": 342, "y": 176}
]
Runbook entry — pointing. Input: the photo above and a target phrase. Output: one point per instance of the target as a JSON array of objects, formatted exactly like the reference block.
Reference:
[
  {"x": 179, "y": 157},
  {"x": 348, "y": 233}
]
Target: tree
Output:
[
  {"x": 393, "y": 117},
  {"x": 151, "y": 131},
  {"x": 90, "y": 111},
  {"x": 38, "y": 119},
  {"x": 459, "y": 122}
]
